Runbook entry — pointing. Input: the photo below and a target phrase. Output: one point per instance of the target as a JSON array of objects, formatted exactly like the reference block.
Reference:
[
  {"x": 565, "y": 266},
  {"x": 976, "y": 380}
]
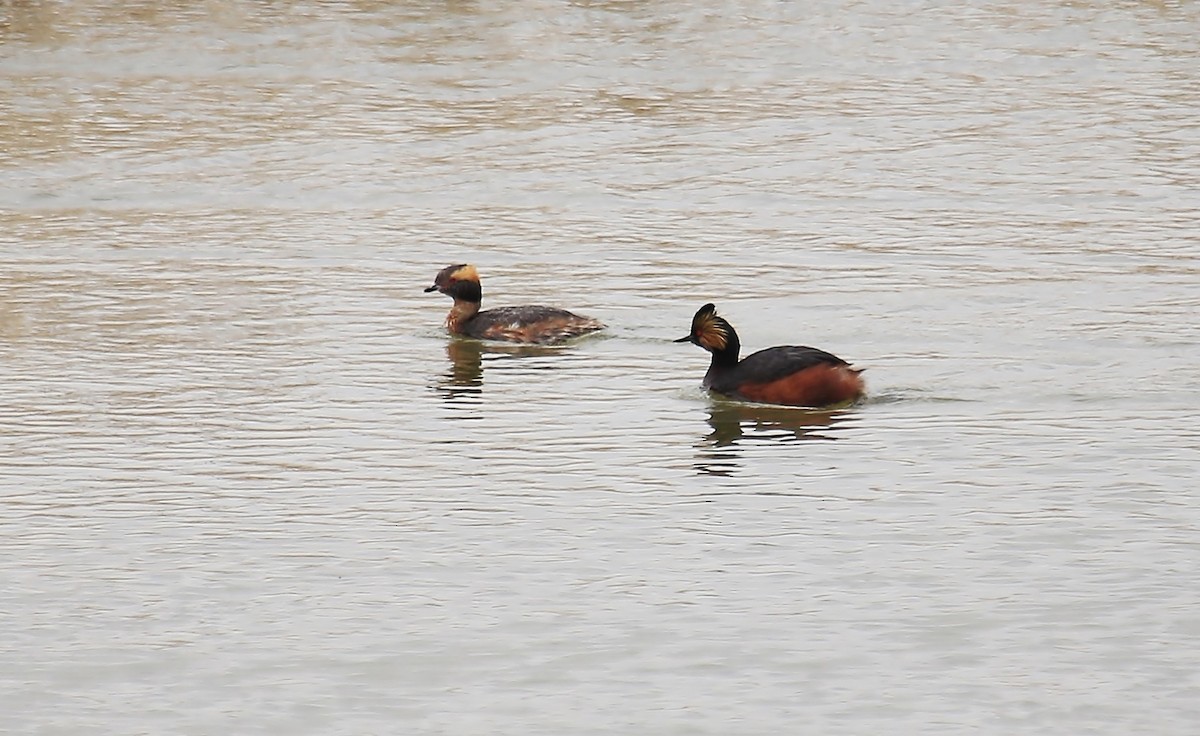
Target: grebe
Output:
[
  {"x": 528, "y": 324},
  {"x": 790, "y": 374}
]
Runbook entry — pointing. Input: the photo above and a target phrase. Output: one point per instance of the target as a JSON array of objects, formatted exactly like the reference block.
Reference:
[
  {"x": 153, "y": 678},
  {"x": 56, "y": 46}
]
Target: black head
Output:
[
  {"x": 711, "y": 332},
  {"x": 460, "y": 281}
]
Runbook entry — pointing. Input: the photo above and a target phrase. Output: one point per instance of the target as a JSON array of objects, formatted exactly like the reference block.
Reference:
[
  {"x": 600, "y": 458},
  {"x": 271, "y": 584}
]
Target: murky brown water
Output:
[{"x": 248, "y": 485}]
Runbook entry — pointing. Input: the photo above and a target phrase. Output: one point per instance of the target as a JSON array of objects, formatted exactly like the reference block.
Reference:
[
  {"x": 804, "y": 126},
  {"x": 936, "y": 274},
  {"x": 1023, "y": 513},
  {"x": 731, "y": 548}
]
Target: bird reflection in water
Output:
[
  {"x": 465, "y": 376},
  {"x": 735, "y": 423},
  {"x": 463, "y": 381}
]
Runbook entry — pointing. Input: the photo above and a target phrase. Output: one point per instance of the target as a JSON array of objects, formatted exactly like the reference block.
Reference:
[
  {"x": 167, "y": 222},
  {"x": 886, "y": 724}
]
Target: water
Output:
[{"x": 250, "y": 486}]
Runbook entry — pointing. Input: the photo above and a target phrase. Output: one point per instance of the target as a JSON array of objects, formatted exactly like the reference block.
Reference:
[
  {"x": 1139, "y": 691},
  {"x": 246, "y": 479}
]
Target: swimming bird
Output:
[
  {"x": 525, "y": 324},
  {"x": 794, "y": 375}
]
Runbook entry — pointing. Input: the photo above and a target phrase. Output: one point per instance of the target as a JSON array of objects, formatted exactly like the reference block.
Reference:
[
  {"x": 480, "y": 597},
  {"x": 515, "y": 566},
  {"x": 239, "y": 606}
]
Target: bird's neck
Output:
[
  {"x": 462, "y": 311},
  {"x": 723, "y": 361},
  {"x": 727, "y": 357}
]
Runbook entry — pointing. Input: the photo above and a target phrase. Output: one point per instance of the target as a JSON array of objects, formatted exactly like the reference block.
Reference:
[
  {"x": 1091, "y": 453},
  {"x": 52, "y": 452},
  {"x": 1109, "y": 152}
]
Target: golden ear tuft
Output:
[
  {"x": 713, "y": 337},
  {"x": 465, "y": 272},
  {"x": 703, "y": 316},
  {"x": 710, "y": 330}
]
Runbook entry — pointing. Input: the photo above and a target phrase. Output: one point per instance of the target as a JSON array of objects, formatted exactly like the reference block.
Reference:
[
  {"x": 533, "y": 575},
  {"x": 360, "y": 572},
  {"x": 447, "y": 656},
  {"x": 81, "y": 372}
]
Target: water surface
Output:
[{"x": 248, "y": 483}]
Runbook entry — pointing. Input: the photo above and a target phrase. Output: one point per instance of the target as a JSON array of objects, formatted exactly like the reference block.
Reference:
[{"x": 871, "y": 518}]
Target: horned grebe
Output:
[{"x": 528, "y": 324}]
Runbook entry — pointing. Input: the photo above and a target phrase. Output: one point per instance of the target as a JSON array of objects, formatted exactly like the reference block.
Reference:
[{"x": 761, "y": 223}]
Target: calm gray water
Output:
[{"x": 248, "y": 485}]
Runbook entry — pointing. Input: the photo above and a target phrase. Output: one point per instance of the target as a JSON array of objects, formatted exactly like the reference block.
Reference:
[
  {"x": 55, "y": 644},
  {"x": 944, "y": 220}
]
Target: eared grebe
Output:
[
  {"x": 529, "y": 324},
  {"x": 789, "y": 374}
]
